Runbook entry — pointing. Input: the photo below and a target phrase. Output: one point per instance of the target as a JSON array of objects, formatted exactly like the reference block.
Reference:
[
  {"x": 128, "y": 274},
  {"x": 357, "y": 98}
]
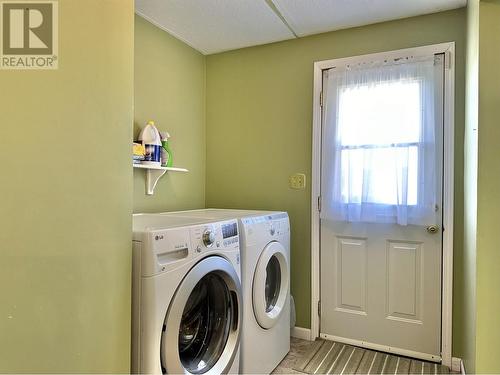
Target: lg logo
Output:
[{"x": 29, "y": 35}]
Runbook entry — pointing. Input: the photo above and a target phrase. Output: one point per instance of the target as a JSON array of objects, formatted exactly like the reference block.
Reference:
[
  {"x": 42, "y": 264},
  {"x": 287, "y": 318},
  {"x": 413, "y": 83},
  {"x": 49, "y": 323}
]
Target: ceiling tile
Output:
[
  {"x": 308, "y": 17},
  {"x": 212, "y": 26}
]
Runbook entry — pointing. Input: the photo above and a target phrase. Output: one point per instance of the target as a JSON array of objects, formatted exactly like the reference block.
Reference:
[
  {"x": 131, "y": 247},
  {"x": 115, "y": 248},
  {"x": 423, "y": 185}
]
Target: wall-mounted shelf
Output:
[{"x": 154, "y": 173}]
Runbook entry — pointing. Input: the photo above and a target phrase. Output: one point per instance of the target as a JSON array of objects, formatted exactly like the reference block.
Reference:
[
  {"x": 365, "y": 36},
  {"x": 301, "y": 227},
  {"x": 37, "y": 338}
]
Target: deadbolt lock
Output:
[{"x": 432, "y": 229}]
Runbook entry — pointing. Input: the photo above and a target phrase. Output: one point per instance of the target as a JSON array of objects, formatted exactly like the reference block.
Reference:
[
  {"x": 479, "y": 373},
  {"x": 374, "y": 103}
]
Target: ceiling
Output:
[{"x": 213, "y": 26}]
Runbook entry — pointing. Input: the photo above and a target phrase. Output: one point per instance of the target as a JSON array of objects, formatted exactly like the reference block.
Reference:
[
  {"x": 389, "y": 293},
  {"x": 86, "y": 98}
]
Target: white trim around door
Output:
[{"x": 448, "y": 182}]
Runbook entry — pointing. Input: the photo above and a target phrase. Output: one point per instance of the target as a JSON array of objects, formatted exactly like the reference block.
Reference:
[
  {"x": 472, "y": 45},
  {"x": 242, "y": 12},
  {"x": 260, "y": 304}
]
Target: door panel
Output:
[
  {"x": 385, "y": 288},
  {"x": 351, "y": 274},
  {"x": 404, "y": 290}
]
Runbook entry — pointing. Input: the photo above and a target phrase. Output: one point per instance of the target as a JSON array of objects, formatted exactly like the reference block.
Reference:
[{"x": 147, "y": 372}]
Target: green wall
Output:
[
  {"x": 488, "y": 187},
  {"x": 170, "y": 89},
  {"x": 66, "y": 199},
  {"x": 465, "y": 286},
  {"x": 259, "y": 122}
]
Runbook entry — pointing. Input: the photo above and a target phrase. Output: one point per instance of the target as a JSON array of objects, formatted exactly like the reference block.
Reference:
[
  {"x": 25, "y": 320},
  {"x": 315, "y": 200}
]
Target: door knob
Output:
[{"x": 432, "y": 229}]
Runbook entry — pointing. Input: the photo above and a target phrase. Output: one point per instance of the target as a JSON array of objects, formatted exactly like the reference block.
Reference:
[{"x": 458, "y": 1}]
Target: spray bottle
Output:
[{"x": 166, "y": 152}]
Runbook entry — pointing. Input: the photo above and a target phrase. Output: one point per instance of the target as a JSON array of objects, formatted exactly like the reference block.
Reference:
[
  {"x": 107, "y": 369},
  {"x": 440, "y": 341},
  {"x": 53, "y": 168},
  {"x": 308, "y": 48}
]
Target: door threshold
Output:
[{"x": 383, "y": 348}]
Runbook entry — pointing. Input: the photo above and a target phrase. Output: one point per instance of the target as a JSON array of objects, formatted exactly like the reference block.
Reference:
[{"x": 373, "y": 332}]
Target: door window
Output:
[
  {"x": 205, "y": 325},
  {"x": 379, "y": 136},
  {"x": 273, "y": 283},
  {"x": 379, "y": 144}
]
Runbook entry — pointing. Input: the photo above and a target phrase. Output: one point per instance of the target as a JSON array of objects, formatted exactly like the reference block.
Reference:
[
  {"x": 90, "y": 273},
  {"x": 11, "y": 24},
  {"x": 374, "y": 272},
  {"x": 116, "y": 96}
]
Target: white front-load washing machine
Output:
[
  {"x": 187, "y": 301},
  {"x": 265, "y": 275}
]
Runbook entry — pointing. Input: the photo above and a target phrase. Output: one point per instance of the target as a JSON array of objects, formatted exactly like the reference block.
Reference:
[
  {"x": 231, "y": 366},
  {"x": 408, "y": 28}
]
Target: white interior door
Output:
[{"x": 381, "y": 215}]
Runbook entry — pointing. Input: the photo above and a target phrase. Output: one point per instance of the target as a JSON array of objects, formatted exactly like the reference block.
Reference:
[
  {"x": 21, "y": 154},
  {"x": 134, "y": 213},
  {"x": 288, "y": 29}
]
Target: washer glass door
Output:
[
  {"x": 205, "y": 324},
  {"x": 270, "y": 285},
  {"x": 201, "y": 332}
]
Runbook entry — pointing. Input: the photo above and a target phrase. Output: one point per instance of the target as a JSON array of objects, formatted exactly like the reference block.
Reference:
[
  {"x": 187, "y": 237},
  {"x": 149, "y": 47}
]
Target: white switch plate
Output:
[{"x": 297, "y": 181}]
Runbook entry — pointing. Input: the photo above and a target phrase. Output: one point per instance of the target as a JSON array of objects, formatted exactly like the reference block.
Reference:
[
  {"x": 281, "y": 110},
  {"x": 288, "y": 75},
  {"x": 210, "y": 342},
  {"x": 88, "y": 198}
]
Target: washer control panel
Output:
[
  {"x": 230, "y": 233},
  {"x": 169, "y": 246},
  {"x": 219, "y": 235},
  {"x": 208, "y": 238}
]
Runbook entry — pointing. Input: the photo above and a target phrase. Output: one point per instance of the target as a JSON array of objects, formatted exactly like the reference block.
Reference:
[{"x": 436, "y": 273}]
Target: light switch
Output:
[{"x": 297, "y": 181}]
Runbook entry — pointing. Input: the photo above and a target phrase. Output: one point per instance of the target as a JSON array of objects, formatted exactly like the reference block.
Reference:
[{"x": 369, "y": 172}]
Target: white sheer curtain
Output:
[{"x": 379, "y": 142}]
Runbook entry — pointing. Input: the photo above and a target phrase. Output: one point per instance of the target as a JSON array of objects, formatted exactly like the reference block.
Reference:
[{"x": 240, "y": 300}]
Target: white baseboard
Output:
[
  {"x": 457, "y": 365},
  {"x": 301, "y": 333}
]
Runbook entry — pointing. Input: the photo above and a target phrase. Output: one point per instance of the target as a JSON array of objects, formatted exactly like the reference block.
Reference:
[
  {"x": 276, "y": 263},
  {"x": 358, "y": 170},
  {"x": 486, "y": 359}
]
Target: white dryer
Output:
[
  {"x": 265, "y": 262},
  {"x": 187, "y": 301}
]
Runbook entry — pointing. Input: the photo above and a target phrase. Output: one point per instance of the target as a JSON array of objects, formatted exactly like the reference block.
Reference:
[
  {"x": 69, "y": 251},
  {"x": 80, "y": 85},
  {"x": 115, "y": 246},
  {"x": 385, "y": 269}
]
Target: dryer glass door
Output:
[
  {"x": 201, "y": 333},
  {"x": 273, "y": 283},
  {"x": 270, "y": 285}
]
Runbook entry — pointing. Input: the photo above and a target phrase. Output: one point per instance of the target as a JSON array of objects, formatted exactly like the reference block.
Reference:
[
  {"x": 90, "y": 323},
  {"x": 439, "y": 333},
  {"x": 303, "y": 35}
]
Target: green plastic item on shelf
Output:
[{"x": 167, "y": 158}]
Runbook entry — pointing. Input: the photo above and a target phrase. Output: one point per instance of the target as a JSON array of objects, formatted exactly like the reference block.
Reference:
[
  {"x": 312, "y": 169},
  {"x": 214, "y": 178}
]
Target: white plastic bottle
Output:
[{"x": 150, "y": 139}]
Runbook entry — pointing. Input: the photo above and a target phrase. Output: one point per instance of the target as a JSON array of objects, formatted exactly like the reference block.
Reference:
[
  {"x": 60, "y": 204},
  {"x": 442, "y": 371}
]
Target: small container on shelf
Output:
[
  {"x": 137, "y": 153},
  {"x": 150, "y": 139},
  {"x": 166, "y": 152}
]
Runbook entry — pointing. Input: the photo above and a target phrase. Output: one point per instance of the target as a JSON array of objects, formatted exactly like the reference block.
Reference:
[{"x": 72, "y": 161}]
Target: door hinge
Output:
[
  {"x": 319, "y": 308},
  {"x": 321, "y": 99},
  {"x": 319, "y": 203}
]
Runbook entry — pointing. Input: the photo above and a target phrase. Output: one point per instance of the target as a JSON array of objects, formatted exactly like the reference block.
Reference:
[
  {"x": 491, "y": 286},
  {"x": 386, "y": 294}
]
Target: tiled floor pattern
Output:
[{"x": 328, "y": 357}]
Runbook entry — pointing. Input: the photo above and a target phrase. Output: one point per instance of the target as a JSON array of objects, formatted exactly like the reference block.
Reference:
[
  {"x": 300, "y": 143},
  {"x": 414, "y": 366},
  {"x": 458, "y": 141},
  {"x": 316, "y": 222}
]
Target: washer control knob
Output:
[
  {"x": 272, "y": 231},
  {"x": 208, "y": 238},
  {"x": 198, "y": 249}
]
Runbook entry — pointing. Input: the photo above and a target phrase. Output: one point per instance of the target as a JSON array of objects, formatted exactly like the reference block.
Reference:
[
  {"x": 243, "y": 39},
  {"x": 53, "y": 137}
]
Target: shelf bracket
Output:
[
  {"x": 154, "y": 173},
  {"x": 152, "y": 177}
]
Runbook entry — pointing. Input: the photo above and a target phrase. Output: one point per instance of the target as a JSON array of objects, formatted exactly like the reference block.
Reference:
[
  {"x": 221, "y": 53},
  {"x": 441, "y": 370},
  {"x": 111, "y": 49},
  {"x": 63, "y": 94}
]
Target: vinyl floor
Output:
[{"x": 329, "y": 357}]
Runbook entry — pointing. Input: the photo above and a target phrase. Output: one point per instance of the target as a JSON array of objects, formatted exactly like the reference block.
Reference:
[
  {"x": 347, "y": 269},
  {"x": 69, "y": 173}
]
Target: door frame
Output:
[{"x": 448, "y": 183}]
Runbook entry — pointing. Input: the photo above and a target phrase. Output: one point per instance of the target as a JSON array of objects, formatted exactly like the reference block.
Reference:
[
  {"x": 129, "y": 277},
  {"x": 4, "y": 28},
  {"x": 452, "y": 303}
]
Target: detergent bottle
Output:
[{"x": 150, "y": 139}]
